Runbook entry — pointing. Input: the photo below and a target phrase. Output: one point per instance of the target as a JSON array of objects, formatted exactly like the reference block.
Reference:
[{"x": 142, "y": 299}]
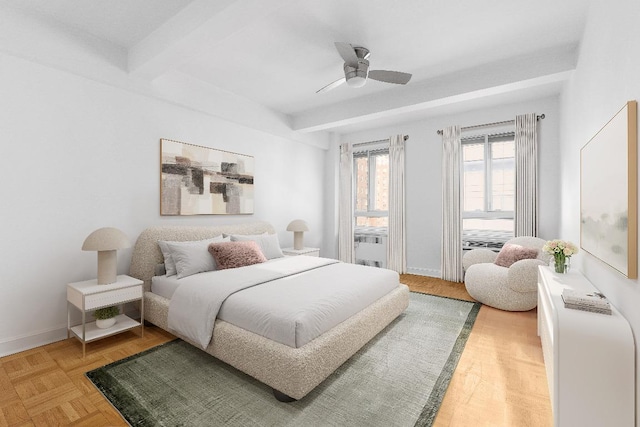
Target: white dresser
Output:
[{"x": 589, "y": 357}]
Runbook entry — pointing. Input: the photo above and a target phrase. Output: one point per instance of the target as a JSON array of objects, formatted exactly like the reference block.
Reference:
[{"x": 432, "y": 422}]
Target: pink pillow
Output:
[
  {"x": 236, "y": 254},
  {"x": 511, "y": 253}
]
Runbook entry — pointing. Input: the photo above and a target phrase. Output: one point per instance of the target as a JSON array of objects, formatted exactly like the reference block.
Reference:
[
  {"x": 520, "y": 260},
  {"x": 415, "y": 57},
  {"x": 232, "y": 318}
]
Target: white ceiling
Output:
[
  {"x": 277, "y": 53},
  {"x": 123, "y": 22}
]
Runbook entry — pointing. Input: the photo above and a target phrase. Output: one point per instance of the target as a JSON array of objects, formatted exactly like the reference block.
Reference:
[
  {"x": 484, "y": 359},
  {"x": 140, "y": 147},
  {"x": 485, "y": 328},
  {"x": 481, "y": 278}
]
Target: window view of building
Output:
[
  {"x": 488, "y": 189},
  {"x": 371, "y": 188}
]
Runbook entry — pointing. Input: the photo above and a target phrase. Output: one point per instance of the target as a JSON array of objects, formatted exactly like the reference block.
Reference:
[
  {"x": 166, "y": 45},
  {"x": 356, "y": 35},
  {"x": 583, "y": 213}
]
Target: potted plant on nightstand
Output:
[{"x": 106, "y": 316}]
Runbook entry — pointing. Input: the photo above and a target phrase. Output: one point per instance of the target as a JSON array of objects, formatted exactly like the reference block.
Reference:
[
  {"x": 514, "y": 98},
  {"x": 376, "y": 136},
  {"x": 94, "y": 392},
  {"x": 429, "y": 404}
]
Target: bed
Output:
[{"x": 292, "y": 371}]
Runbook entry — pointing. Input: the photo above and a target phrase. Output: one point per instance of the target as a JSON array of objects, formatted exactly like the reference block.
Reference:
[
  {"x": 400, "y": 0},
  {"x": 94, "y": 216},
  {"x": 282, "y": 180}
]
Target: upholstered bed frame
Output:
[{"x": 291, "y": 372}]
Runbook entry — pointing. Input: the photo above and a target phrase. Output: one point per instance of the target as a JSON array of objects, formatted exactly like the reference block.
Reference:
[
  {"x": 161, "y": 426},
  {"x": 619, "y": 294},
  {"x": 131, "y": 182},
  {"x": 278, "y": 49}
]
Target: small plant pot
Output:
[{"x": 105, "y": 323}]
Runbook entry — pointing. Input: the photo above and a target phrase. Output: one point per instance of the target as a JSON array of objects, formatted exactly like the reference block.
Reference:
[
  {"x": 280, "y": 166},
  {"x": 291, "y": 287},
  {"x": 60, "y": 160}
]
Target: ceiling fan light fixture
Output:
[{"x": 356, "y": 81}]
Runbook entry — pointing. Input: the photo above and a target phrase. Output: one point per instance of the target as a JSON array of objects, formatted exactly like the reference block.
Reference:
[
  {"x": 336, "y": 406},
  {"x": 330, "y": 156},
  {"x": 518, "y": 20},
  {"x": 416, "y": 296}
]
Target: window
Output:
[
  {"x": 371, "y": 169},
  {"x": 488, "y": 189}
]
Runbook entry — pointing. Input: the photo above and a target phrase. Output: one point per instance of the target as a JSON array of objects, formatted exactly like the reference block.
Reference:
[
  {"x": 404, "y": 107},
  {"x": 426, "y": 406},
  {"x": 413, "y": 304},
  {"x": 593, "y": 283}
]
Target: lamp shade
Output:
[
  {"x": 106, "y": 239},
  {"x": 297, "y": 225}
]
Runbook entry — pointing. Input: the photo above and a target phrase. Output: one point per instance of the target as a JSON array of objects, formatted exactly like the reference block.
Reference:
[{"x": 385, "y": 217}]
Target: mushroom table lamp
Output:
[
  {"x": 298, "y": 227},
  {"x": 106, "y": 241}
]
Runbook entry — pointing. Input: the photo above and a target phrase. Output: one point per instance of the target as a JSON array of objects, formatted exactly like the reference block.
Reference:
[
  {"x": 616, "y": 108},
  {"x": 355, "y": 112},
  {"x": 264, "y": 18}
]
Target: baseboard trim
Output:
[
  {"x": 430, "y": 272},
  {"x": 27, "y": 342}
]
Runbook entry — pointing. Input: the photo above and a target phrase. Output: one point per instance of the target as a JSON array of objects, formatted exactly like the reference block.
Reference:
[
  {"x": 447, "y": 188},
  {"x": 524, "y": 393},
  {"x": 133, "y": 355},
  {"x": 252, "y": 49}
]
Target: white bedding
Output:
[
  {"x": 165, "y": 285},
  {"x": 311, "y": 296}
]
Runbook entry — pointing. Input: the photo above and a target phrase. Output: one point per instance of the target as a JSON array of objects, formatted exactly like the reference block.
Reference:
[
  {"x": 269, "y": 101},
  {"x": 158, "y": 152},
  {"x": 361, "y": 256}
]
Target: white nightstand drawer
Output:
[{"x": 114, "y": 297}]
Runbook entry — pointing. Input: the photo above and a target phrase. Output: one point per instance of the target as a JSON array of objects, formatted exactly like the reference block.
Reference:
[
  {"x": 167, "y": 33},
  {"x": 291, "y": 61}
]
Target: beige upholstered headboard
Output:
[{"x": 146, "y": 252}]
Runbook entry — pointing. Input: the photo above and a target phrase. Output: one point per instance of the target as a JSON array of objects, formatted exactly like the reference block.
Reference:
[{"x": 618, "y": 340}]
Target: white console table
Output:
[{"x": 589, "y": 357}]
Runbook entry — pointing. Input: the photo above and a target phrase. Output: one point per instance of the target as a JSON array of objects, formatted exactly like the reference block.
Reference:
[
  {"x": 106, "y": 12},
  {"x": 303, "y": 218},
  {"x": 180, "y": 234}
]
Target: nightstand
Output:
[
  {"x": 88, "y": 296},
  {"x": 303, "y": 251}
]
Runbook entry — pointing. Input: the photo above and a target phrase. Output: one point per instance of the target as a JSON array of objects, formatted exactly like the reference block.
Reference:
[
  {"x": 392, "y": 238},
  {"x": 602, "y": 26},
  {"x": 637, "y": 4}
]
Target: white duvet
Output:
[{"x": 290, "y": 300}]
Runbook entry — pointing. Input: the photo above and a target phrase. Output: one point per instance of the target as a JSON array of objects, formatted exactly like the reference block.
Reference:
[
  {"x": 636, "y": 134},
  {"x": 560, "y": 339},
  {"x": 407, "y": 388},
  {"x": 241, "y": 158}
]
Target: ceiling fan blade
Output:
[
  {"x": 390, "y": 76},
  {"x": 347, "y": 53},
  {"x": 332, "y": 85}
]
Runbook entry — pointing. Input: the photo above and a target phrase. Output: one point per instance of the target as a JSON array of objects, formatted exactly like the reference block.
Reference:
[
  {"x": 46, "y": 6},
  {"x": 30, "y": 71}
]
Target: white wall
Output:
[
  {"x": 607, "y": 76},
  {"x": 423, "y": 174},
  {"x": 78, "y": 155}
]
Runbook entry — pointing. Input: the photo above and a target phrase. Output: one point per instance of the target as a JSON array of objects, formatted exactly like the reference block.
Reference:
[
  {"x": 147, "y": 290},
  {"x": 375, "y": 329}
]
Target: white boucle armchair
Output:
[{"x": 513, "y": 288}]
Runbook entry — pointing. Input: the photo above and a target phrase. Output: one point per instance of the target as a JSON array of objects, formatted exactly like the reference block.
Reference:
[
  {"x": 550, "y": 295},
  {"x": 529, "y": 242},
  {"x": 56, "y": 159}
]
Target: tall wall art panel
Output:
[{"x": 608, "y": 193}]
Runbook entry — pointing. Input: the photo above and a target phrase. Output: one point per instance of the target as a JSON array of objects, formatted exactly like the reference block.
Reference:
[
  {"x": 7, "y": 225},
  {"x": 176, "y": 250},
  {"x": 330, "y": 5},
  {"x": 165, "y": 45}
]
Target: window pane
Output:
[
  {"x": 473, "y": 177},
  {"x": 362, "y": 183},
  {"x": 503, "y": 150},
  {"x": 503, "y": 177},
  {"x": 381, "y": 201},
  {"x": 488, "y": 224},
  {"x": 363, "y": 221},
  {"x": 474, "y": 151}
]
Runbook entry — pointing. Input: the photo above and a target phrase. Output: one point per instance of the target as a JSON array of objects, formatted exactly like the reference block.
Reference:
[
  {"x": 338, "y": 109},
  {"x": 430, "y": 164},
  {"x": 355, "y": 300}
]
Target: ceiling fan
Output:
[{"x": 356, "y": 69}]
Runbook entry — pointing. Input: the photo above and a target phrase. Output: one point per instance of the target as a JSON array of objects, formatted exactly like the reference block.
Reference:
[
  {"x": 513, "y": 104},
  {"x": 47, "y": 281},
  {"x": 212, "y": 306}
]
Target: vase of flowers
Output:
[{"x": 561, "y": 251}]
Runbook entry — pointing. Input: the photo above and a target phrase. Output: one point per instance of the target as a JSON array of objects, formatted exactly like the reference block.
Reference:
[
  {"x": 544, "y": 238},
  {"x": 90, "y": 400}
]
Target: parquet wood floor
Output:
[{"x": 500, "y": 379}]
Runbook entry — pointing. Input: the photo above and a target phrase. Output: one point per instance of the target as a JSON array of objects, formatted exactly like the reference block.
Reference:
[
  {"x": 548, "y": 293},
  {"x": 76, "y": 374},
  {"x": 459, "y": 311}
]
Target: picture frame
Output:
[
  {"x": 608, "y": 193},
  {"x": 197, "y": 180}
]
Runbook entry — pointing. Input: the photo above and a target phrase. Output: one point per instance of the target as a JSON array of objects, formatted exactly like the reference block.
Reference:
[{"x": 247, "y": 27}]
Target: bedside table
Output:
[
  {"x": 303, "y": 251},
  {"x": 88, "y": 296}
]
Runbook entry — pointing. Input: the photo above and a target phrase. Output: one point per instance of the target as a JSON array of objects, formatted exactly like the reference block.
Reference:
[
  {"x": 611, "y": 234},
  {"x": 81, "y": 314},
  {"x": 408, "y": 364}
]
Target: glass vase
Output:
[{"x": 560, "y": 263}]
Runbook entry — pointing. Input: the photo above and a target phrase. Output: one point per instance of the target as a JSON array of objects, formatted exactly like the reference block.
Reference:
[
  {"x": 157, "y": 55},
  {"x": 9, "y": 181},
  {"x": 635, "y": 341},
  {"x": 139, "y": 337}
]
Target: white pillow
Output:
[
  {"x": 269, "y": 244},
  {"x": 251, "y": 236},
  {"x": 169, "y": 265},
  {"x": 191, "y": 257}
]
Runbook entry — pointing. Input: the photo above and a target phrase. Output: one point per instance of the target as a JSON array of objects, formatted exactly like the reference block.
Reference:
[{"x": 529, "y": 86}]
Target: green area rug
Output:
[{"x": 398, "y": 379}]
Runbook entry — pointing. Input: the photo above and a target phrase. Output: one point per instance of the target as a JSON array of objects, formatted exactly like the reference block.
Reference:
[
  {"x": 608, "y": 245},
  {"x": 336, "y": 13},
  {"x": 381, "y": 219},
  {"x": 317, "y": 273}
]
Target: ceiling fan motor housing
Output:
[{"x": 357, "y": 76}]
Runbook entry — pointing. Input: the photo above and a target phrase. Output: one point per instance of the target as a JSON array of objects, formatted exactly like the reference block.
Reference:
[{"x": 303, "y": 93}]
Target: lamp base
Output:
[
  {"x": 107, "y": 267},
  {"x": 297, "y": 240}
]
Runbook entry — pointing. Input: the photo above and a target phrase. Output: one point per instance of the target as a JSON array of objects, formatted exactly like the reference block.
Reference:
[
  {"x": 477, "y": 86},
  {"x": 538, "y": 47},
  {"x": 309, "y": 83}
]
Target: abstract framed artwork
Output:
[
  {"x": 608, "y": 193},
  {"x": 197, "y": 180}
]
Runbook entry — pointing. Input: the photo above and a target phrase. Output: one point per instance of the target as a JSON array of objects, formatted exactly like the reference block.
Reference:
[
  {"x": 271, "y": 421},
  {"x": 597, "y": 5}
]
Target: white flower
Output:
[{"x": 558, "y": 246}]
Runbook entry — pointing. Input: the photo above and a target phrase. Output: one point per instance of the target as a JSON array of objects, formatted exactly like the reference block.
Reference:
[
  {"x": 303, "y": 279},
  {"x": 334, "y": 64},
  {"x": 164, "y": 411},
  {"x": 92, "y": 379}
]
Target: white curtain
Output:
[
  {"x": 526, "y": 156},
  {"x": 345, "y": 205},
  {"x": 396, "y": 246},
  {"x": 451, "y": 259}
]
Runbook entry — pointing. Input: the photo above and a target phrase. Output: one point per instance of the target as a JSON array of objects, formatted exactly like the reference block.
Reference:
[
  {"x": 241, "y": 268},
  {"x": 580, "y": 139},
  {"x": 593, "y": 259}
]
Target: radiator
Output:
[
  {"x": 371, "y": 246},
  {"x": 489, "y": 239}
]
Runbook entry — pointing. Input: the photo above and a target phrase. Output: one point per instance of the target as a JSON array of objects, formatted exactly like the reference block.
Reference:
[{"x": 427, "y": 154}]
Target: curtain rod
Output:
[
  {"x": 375, "y": 142},
  {"x": 506, "y": 122}
]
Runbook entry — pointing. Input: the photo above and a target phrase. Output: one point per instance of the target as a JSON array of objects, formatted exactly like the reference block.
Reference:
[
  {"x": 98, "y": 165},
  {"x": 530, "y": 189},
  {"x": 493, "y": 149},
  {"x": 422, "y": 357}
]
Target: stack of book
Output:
[{"x": 587, "y": 301}]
